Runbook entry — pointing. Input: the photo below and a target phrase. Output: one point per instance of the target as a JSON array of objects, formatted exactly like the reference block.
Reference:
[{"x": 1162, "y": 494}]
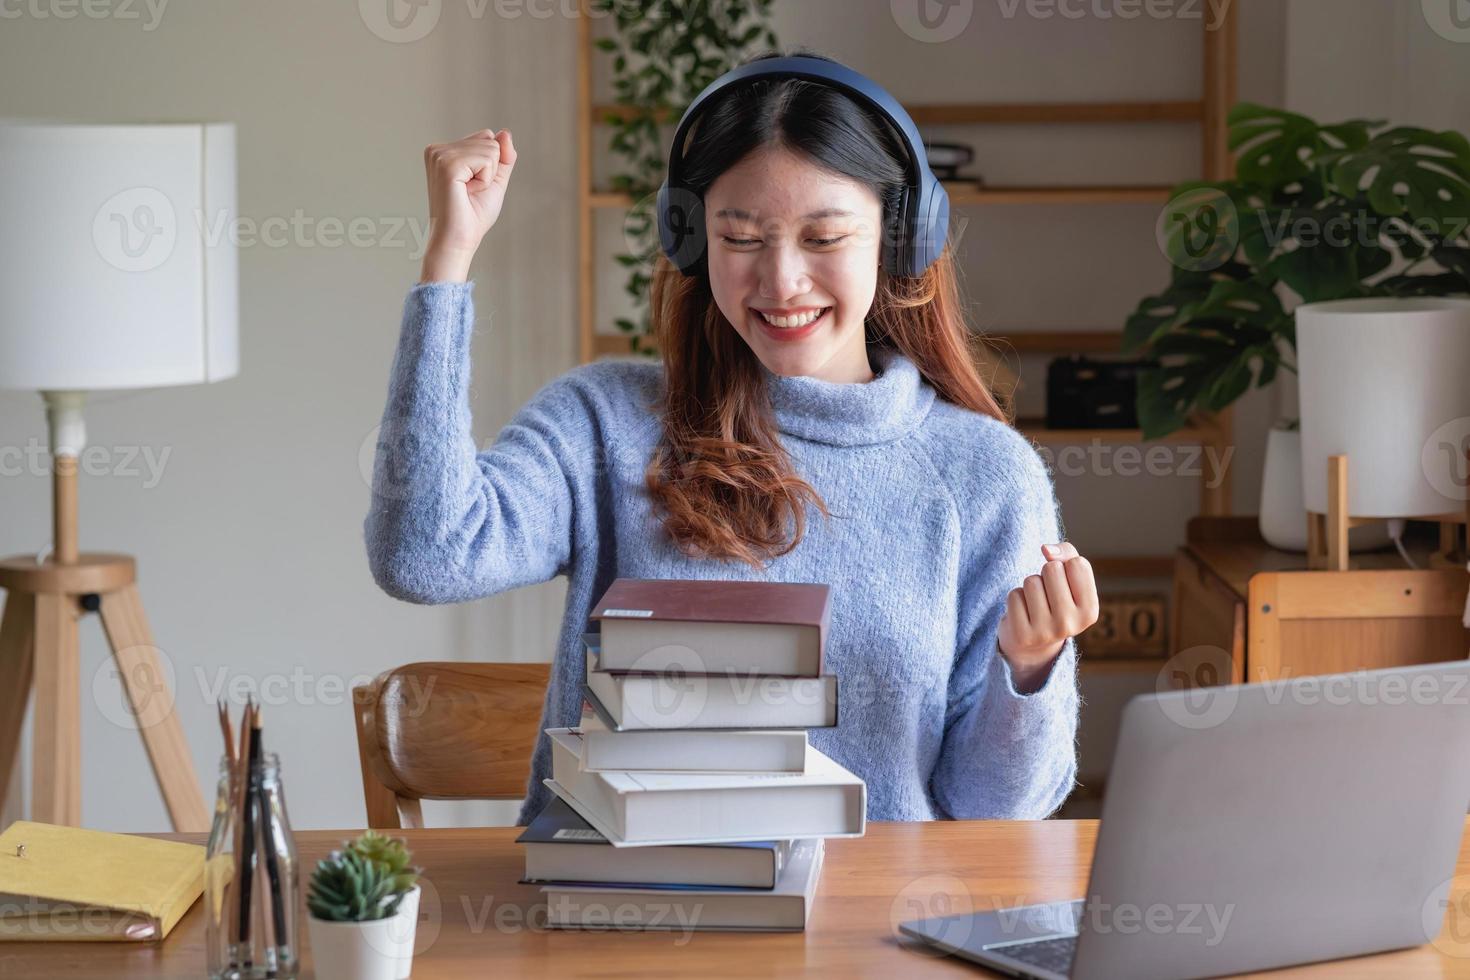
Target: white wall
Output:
[{"x": 250, "y": 545}]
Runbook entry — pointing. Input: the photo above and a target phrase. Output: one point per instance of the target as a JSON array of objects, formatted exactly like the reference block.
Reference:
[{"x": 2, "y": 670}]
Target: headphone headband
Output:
[{"x": 922, "y": 214}]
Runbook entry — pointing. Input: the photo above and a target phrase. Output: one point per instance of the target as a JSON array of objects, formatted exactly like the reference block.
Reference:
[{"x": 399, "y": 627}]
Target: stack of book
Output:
[{"x": 689, "y": 797}]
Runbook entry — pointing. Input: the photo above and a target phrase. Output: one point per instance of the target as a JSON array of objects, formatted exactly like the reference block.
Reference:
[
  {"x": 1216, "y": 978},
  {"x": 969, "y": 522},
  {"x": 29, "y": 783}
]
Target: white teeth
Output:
[{"x": 800, "y": 320}]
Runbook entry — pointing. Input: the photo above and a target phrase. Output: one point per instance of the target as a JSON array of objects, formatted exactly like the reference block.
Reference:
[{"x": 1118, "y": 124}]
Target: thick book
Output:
[
  {"x": 785, "y": 908},
  {"x": 648, "y": 702},
  {"x": 73, "y": 884},
  {"x": 561, "y": 847},
  {"x": 645, "y": 808},
  {"x": 714, "y": 626},
  {"x": 689, "y": 751}
]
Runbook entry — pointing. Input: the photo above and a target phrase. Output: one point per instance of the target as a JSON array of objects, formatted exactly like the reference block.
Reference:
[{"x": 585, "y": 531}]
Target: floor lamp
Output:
[{"x": 118, "y": 272}]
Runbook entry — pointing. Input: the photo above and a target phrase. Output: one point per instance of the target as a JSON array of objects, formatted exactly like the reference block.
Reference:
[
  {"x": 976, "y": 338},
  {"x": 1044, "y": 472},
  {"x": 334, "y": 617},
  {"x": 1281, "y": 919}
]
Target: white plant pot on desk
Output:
[
  {"x": 1384, "y": 381},
  {"x": 379, "y": 949},
  {"x": 1283, "y": 513}
]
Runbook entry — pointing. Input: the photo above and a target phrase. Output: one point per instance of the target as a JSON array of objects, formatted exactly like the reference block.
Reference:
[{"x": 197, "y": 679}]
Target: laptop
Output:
[{"x": 1255, "y": 826}]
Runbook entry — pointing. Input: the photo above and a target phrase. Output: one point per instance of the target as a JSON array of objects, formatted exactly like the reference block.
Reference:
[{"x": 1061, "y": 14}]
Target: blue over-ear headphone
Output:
[{"x": 914, "y": 234}]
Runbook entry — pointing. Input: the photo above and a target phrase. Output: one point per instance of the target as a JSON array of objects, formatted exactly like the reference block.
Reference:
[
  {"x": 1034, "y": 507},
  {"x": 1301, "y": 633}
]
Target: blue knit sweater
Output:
[{"x": 937, "y": 513}]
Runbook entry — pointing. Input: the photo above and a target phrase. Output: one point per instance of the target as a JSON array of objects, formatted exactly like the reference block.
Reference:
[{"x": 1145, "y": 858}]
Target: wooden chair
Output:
[{"x": 445, "y": 731}]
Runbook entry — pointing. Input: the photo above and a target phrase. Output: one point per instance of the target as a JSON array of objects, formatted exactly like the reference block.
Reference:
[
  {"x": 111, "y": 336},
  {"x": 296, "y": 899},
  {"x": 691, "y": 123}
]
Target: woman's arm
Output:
[
  {"x": 447, "y": 523},
  {"x": 1007, "y": 754}
]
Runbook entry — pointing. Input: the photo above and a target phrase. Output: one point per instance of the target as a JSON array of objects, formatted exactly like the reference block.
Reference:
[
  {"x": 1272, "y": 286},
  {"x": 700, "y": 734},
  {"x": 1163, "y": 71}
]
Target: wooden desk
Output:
[
  {"x": 475, "y": 915},
  {"x": 1243, "y": 611}
]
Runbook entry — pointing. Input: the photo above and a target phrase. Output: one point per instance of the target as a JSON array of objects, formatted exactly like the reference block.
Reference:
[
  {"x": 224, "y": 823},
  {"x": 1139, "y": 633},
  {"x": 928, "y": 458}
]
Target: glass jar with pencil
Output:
[{"x": 252, "y": 916}]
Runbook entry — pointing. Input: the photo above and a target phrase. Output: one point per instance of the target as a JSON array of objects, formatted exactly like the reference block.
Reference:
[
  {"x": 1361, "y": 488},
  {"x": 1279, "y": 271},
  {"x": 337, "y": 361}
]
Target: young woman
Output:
[{"x": 797, "y": 376}]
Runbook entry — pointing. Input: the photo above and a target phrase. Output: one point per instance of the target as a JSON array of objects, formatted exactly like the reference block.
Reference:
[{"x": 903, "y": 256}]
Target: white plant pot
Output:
[
  {"x": 1384, "y": 381},
  {"x": 1283, "y": 512},
  {"x": 381, "y": 949}
]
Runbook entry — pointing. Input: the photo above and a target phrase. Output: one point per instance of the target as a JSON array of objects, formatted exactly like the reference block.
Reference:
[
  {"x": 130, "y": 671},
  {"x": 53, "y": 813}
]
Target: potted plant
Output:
[
  {"x": 1315, "y": 213},
  {"x": 363, "y": 910}
]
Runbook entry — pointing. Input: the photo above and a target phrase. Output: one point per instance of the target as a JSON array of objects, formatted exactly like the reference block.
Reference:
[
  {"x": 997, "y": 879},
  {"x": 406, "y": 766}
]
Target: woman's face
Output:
[{"x": 787, "y": 237}]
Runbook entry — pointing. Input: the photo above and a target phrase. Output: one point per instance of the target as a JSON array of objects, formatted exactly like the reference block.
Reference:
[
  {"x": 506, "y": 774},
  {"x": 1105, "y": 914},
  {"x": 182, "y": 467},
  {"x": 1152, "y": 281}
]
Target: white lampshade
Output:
[{"x": 118, "y": 267}]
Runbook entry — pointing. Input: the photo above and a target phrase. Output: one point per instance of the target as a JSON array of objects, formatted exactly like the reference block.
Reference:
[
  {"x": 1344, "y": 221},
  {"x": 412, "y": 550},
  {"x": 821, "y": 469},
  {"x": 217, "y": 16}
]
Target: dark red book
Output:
[{"x": 714, "y": 626}]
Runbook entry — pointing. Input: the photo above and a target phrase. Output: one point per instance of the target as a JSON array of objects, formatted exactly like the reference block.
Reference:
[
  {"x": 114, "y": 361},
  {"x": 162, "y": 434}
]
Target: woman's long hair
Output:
[{"x": 720, "y": 479}]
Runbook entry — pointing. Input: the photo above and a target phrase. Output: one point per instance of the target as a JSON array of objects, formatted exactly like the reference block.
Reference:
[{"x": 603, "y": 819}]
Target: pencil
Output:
[
  {"x": 267, "y": 836},
  {"x": 246, "y": 859}
]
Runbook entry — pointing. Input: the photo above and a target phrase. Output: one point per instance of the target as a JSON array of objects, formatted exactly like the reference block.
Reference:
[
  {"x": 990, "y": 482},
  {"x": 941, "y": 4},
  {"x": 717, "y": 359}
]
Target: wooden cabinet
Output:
[{"x": 1243, "y": 611}]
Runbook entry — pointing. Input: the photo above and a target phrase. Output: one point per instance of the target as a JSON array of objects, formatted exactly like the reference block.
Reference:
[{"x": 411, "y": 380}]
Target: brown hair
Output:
[{"x": 719, "y": 477}]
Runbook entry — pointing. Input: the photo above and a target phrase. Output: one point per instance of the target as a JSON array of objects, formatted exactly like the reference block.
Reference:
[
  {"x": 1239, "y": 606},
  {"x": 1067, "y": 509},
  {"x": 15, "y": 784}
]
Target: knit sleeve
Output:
[
  {"x": 447, "y": 523},
  {"x": 1007, "y": 755}
]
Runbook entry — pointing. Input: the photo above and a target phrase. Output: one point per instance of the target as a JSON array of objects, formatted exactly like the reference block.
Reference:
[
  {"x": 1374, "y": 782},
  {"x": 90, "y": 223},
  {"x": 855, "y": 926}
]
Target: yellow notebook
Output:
[{"x": 75, "y": 884}]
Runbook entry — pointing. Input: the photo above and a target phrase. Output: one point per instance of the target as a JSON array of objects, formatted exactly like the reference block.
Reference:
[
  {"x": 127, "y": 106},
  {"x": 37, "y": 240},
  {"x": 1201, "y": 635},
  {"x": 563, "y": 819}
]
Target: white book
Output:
[
  {"x": 645, "y": 808},
  {"x": 785, "y": 908},
  {"x": 690, "y": 751},
  {"x": 650, "y": 702}
]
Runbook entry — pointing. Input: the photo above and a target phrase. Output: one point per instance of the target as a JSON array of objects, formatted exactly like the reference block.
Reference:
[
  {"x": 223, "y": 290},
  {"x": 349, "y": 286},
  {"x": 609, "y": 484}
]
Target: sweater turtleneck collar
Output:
[{"x": 860, "y": 413}]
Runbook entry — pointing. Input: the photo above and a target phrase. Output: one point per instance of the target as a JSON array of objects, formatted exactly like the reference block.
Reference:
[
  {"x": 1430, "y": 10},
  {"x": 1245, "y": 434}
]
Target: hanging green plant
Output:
[
  {"x": 664, "y": 53},
  {"x": 1315, "y": 213}
]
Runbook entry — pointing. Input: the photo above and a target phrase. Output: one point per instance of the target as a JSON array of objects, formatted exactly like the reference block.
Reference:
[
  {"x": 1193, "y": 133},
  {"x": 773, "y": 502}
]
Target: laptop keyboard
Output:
[{"x": 1048, "y": 954}]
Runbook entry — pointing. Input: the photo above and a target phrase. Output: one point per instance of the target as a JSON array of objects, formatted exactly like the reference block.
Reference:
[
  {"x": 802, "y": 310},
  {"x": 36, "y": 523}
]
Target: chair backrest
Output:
[{"x": 445, "y": 731}]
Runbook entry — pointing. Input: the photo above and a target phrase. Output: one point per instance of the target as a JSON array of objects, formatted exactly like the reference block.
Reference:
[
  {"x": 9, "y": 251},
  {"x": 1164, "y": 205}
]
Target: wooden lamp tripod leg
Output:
[
  {"x": 152, "y": 701},
  {"x": 17, "y": 646},
  {"x": 56, "y": 737}
]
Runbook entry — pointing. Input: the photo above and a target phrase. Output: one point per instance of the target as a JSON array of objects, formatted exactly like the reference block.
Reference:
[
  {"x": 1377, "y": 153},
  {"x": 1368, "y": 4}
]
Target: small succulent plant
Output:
[
  {"x": 391, "y": 854},
  {"x": 347, "y": 887}
]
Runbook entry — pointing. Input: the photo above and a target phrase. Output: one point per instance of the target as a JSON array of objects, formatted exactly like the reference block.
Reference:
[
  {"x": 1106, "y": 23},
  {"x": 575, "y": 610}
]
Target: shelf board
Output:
[
  {"x": 963, "y": 192},
  {"x": 999, "y": 113}
]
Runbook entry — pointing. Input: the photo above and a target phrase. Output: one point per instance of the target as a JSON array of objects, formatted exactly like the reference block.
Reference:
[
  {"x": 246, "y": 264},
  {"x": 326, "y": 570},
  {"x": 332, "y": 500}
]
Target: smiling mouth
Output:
[{"x": 791, "y": 326}]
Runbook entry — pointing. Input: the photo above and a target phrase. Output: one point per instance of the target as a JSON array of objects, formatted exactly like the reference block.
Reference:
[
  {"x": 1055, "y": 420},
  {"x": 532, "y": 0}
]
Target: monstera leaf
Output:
[
  {"x": 1212, "y": 336},
  {"x": 1276, "y": 148},
  {"x": 1409, "y": 171}
]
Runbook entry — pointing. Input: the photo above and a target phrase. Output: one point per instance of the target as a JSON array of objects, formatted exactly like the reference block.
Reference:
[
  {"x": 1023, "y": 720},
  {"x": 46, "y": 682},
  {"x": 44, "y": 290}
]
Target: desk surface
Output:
[{"x": 474, "y": 916}]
